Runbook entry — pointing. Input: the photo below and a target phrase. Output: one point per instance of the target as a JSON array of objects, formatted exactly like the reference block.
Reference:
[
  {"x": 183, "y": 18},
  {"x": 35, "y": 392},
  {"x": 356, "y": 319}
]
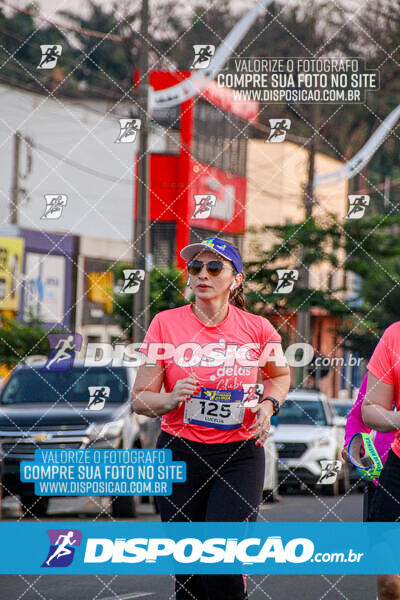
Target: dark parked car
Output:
[{"x": 49, "y": 409}]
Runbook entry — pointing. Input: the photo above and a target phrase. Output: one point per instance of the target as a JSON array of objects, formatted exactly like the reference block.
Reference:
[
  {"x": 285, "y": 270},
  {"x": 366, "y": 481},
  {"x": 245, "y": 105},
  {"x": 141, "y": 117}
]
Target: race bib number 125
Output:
[{"x": 222, "y": 409}]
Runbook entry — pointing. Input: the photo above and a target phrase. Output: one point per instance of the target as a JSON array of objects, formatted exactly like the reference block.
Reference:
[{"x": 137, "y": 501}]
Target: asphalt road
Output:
[{"x": 291, "y": 507}]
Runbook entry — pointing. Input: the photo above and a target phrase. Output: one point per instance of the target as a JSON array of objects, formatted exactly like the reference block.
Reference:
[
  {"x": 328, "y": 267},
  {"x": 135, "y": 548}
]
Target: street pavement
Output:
[{"x": 291, "y": 507}]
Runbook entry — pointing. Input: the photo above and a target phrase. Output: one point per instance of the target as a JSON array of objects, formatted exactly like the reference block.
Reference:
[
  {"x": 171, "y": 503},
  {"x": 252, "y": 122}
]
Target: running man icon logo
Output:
[
  {"x": 253, "y": 393},
  {"x": 286, "y": 279},
  {"x": 132, "y": 279},
  {"x": 211, "y": 394},
  {"x": 62, "y": 350},
  {"x": 63, "y": 543},
  {"x": 279, "y": 129},
  {"x": 98, "y": 396},
  {"x": 204, "y": 204},
  {"x": 330, "y": 470},
  {"x": 50, "y": 54},
  {"x": 128, "y": 131},
  {"x": 54, "y": 206},
  {"x": 203, "y": 54},
  {"x": 357, "y": 206}
]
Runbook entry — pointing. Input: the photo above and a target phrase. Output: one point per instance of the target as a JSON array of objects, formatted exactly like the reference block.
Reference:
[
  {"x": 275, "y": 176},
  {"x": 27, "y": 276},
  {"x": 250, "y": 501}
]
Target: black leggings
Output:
[
  {"x": 386, "y": 501},
  {"x": 224, "y": 483},
  {"x": 369, "y": 492}
]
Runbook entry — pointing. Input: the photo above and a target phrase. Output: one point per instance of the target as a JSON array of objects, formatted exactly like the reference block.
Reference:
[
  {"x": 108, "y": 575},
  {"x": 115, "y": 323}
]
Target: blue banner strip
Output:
[{"x": 160, "y": 548}]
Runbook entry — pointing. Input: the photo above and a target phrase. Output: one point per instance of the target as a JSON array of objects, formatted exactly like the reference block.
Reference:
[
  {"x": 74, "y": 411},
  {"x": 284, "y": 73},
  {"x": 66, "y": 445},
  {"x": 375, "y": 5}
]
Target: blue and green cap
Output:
[{"x": 224, "y": 249}]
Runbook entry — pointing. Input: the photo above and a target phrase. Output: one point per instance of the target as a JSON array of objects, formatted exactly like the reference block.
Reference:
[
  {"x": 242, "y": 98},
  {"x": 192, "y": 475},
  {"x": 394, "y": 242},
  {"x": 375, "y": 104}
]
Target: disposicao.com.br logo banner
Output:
[{"x": 162, "y": 548}]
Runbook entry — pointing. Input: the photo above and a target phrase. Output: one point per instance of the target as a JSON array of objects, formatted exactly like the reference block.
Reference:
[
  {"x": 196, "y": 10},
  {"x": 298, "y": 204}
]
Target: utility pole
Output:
[
  {"x": 303, "y": 316},
  {"x": 141, "y": 228},
  {"x": 15, "y": 189}
]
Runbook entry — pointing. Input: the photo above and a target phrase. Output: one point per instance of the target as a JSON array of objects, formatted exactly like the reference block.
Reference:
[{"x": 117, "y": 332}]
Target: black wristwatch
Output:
[{"x": 274, "y": 402}]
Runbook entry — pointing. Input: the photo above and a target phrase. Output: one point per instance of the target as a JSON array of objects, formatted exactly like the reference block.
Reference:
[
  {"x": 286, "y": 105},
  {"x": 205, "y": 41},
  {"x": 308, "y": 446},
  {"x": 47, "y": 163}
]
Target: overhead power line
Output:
[{"x": 88, "y": 170}]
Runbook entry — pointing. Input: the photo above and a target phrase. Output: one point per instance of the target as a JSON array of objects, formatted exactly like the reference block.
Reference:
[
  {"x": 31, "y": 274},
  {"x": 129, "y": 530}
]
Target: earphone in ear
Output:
[
  {"x": 188, "y": 281},
  {"x": 232, "y": 286}
]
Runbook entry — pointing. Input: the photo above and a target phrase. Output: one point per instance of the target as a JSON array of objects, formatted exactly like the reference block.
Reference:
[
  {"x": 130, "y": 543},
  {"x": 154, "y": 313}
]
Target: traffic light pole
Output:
[{"x": 141, "y": 225}]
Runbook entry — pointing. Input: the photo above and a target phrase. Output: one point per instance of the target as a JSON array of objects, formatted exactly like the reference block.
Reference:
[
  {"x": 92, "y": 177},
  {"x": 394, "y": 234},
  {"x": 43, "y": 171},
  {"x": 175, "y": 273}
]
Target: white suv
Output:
[{"x": 308, "y": 432}]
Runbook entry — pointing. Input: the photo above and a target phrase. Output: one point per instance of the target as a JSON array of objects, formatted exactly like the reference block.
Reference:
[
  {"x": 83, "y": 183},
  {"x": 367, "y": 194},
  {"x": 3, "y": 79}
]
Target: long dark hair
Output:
[{"x": 236, "y": 296}]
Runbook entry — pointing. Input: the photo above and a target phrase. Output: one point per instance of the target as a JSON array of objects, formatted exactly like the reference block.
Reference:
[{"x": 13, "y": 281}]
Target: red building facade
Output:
[{"x": 205, "y": 153}]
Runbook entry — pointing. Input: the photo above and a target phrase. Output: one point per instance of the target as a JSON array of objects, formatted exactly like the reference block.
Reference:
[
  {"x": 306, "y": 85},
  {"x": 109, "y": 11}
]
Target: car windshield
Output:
[
  {"x": 302, "y": 412},
  {"x": 75, "y": 385},
  {"x": 342, "y": 410}
]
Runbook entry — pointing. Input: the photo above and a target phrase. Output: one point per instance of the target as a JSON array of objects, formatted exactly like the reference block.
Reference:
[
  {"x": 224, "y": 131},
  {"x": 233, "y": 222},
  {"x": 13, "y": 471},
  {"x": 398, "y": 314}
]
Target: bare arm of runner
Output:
[
  {"x": 276, "y": 384},
  {"x": 148, "y": 400},
  {"x": 377, "y": 406}
]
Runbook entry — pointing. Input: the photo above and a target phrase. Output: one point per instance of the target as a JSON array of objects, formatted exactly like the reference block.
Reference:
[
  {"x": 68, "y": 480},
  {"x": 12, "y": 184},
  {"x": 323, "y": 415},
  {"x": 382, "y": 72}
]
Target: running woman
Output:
[
  {"x": 383, "y": 392},
  {"x": 203, "y": 421},
  {"x": 382, "y": 442}
]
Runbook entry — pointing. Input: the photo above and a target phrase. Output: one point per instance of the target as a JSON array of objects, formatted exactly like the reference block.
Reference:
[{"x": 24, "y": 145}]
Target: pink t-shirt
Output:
[
  {"x": 355, "y": 424},
  {"x": 211, "y": 417},
  {"x": 385, "y": 365}
]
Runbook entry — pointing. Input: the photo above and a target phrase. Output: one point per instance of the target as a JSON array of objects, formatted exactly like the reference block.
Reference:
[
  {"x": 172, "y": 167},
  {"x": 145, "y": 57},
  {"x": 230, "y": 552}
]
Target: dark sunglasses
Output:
[{"x": 214, "y": 267}]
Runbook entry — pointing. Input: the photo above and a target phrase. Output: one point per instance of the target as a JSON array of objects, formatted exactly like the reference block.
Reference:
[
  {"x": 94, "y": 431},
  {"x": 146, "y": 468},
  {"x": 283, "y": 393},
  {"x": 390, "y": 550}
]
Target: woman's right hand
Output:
[
  {"x": 345, "y": 455},
  {"x": 183, "y": 388}
]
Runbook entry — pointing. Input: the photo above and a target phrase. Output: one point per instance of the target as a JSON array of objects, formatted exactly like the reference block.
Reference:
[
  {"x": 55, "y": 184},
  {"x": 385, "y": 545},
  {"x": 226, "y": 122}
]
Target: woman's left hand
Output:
[{"x": 262, "y": 426}]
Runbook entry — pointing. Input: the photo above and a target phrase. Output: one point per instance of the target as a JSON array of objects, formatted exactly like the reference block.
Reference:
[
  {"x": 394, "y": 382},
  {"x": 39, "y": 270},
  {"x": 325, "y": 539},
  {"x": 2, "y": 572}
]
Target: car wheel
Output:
[
  {"x": 124, "y": 507},
  {"x": 34, "y": 506}
]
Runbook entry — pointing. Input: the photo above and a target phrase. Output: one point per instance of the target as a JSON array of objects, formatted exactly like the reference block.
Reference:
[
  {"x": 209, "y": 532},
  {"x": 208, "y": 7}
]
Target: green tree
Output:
[
  {"x": 19, "y": 340},
  {"x": 107, "y": 64},
  {"x": 373, "y": 250},
  {"x": 320, "y": 241},
  {"x": 20, "y": 54},
  {"x": 166, "y": 291}
]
